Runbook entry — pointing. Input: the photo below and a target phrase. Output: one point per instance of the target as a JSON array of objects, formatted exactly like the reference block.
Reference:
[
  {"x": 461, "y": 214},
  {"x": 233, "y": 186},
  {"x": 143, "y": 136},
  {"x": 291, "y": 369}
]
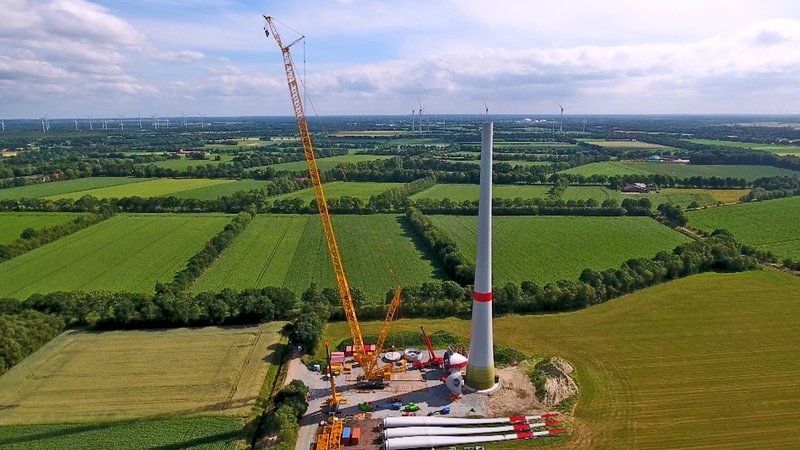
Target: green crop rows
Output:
[
  {"x": 195, "y": 432},
  {"x": 150, "y": 188},
  {"x": 124, "y": 253},
  {"x": 550, "y": 248},
  {"x": 290, "y": 251},
  {"x": 13, "y": 223},
  {"x": 772, "y": 225},
  {"x": 65, "y": 187}
]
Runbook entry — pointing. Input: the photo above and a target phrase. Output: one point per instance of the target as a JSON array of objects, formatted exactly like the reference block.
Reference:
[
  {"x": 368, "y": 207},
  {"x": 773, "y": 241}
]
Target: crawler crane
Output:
[{"x": 373, "y": 374}]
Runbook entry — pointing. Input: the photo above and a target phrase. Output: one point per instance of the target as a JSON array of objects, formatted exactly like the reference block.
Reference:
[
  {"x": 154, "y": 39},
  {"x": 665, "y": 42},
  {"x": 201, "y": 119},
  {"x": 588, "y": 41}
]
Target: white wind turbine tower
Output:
[
  {"x": 76, "y": 124},
  {"x": 584, "y": 125},
  {"x": 44, "y": 130},
  {"x": 202, "y": 123},
  {"x": 561, "y": 119},
  {"x": 140, "y": 120},
  {"x": 91, "y": 127},
  {"x": 183, "y": 119},
  {"x": 413, "y": 118},
  {"x": 155, "y": 121},
  {"x": 105, "y": 123},
  {"x": 121, "y": 124},
  {"x": 3, "y": 126},
  {"x": 420, "y": 116}
]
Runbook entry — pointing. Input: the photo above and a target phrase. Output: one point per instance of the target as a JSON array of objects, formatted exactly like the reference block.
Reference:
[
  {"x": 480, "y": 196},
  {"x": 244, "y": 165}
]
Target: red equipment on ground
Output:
[{"x": 433, "y": 360}]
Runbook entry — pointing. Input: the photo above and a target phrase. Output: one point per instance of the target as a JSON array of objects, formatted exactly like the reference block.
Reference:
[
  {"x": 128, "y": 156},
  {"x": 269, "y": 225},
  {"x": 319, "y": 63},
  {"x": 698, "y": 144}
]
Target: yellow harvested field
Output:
[{"x": 84, "y": 376}]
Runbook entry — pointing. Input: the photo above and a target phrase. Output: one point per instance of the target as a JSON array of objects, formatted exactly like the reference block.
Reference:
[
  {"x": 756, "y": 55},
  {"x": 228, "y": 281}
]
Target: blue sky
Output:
[{"x": 71, "y": 58}]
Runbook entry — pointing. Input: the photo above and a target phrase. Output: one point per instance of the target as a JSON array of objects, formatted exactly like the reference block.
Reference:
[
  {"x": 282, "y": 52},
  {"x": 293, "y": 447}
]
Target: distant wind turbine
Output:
[
  {"x": 561, "y": 119},
  {"x": 202, "y": 123},
  {"x": 487, "y": 110},
  {"x": 3, "y": 126},
  {"x": 121, "y": 124}
]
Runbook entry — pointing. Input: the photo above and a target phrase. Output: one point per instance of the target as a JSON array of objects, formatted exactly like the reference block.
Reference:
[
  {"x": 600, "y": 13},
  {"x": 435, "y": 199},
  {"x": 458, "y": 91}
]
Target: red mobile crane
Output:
[{"x": 433, "y": 359}]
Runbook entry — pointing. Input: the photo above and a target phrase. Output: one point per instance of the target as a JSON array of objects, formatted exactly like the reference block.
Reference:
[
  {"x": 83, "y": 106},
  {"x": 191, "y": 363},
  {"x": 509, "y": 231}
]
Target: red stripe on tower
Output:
[
  {"x": 517, "y": 419},
  {"x": 479, "y": 297},
  {"x": 521, "y": 427}
]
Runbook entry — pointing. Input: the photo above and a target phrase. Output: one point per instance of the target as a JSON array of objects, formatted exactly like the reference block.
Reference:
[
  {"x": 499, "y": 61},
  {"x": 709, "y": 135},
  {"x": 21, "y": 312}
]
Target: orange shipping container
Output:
[{"x": 355, "y": 436}]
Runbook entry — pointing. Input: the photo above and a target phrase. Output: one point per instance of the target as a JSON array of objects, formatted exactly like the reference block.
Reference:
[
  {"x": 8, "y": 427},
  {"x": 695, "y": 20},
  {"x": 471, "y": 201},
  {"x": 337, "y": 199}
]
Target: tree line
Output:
[
  {"x": 22, "y": 332},
  {"x": 203, "y": 259}
]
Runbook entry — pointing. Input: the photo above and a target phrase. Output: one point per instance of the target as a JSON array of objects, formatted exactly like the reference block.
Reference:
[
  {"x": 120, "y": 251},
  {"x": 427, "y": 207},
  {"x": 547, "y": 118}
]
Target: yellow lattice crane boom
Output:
[{"x": 368, "y": 362}]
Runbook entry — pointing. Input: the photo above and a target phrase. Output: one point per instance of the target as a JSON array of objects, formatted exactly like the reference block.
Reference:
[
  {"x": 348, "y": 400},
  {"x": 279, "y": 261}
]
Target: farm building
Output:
[{"x": 636, "y": 187}]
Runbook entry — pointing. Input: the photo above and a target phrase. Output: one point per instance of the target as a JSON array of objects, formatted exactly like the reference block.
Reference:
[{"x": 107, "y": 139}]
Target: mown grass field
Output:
[
  {"x": 82, "y": 377},
  {"x": 625, "y": 144},
  {"x": 290, "y": 251},
  {"x": 129, "y": 252},
  {"x": 682, "y": 197},
  {"x": 774, "y": 148},
  {"x": 611, "y": 168},
  {"x": 772, "y": 225},
  {"x": 13, "y": 223},
  {"x": 65, "y": 187},
  {"x": 184, "y": 163},
  {"x": 327, "y": 163},
  {"x": 550, "y": 248},
  {"x": 196, "y": 432},
  {"x": 336, "y": 189},
  {"x": 703, "y": 362},
  {"x": 159, "y": 187}
]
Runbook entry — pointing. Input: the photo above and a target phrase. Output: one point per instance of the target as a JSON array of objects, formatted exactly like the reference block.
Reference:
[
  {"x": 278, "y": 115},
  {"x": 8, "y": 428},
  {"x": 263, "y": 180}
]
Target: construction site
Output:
[{"x": 367, "y": 397}]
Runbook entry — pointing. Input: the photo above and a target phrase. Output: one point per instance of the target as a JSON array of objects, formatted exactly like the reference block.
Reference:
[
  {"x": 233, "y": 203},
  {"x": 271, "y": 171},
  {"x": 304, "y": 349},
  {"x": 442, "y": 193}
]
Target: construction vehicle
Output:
[
  {"x": 374, "y": 375},
  {"x": 336, "y": 398},
  {"x": 433, "y": 359}
]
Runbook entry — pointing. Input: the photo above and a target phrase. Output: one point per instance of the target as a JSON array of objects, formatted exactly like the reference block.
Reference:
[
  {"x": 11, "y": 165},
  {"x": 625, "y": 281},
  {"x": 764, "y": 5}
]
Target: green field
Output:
[
  {"x": 13, "y": 223},
  {"x": 329, "y": 163},
  {"x": 681, "y": 197},
  {"x": 221, "y": 190},
  {"x": 545, "y": 249},
  {"x": 773, "y": 148},
  {"x": 129, "y": 252},
  {"x": 703, "y": 362},
  {"x": 772, "y": 225},
  {"x": 184, "y": 163},
  {"x": 290, "y": 251},
  {"x": 159, "y": 187},
  {"x": 336, "y": 189},
  {"x": 65, "y": 187},
  {"x": 195, "y": 432},
  {"x": 610, "y": 168}
]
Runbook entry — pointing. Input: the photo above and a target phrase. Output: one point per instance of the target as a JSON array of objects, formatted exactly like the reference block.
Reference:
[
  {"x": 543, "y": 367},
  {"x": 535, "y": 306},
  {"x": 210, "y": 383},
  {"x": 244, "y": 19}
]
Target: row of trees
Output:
[
  {"x": 283, "y": 420},
  {"x": 167, "y": 308},
  {"x": 528, "y": 206},
  {"x": 203, "y": 259},
  {"x": 772, "y": 188},
  {"x": 23, "y": 332},
  {"x": 442, "y": 246},
  {"x": 31, "y": 238},
  {"x": 397, "y": 199}
]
